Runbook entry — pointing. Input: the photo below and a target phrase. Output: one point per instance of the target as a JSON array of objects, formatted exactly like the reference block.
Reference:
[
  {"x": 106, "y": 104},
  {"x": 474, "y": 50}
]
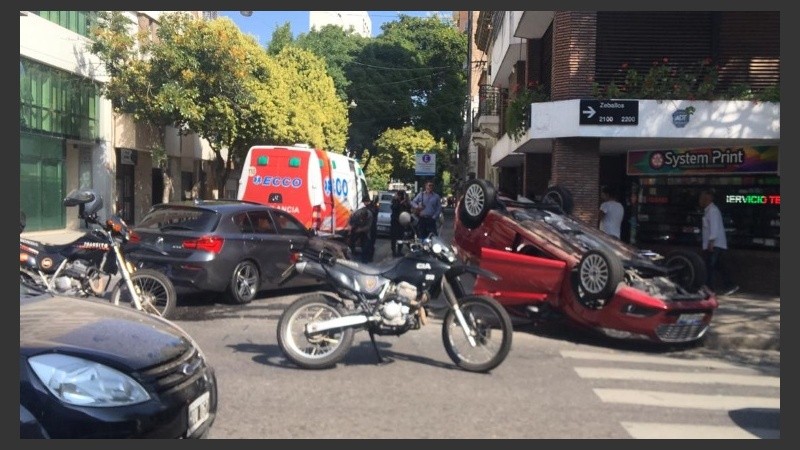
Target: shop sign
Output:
[
  {"x": 741, "y": 160},
  {"x": 127, "y": 156},
  {"x": 753, "y": 199}
]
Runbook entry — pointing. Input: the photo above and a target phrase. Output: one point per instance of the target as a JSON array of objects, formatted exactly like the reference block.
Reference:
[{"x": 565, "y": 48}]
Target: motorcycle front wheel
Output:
[
  {"x": 158, "y": 293},
  {"x": 318, "y": 351},
  {"x": 489, "y": 325}
]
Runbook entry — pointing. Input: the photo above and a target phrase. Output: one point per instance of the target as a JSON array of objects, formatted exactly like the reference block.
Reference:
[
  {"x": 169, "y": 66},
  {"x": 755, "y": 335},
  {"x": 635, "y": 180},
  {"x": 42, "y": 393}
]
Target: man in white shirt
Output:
[
  {"x": 715, "y": 245},
  {"x": 611, "y": 213}
]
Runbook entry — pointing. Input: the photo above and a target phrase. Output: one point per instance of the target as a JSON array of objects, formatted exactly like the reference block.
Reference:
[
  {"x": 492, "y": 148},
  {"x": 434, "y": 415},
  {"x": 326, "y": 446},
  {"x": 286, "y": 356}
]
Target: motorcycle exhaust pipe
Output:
[{"x": 339, "y": 322}]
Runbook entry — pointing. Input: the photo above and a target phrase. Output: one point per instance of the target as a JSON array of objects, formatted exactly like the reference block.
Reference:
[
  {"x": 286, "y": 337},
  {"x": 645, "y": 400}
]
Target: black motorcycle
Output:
[
  {"x": 316, "y": 330},
  {"x": 86, "y": 266}
]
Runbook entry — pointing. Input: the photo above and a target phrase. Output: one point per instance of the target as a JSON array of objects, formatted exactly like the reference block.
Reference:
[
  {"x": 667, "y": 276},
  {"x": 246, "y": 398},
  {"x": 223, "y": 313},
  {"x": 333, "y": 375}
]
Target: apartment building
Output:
[
  {"x": 71, "y": 138},
  {"x": 584, "y": 123},
  {"x": 358, "y": 21}
]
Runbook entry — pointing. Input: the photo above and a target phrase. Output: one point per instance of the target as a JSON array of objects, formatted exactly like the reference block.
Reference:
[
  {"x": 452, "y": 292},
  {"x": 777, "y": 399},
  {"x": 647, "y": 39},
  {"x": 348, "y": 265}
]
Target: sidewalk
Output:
[{"x": 742, "y": 321}]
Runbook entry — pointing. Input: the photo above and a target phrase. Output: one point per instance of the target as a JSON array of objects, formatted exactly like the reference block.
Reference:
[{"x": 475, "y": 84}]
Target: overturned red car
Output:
[{"x": 555, "y": 266}]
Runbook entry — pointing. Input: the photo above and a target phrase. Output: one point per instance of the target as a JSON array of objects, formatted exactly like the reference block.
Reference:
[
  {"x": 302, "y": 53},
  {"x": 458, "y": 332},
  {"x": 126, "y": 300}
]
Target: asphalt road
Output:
[{"x": 556, "y": 383}]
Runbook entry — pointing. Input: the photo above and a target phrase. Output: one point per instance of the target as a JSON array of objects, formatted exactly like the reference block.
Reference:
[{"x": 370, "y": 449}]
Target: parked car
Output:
[
  {"x": 384, "y": 215},
  {"x": 552, "y": 265},
  {"x": 89, "y": 369},
  {"x": 226, "y": 246}
]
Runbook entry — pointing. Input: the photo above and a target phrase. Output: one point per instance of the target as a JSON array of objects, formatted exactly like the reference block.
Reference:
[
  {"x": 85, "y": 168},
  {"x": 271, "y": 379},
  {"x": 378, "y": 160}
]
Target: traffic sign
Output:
[{"x": 609, "y": 112}]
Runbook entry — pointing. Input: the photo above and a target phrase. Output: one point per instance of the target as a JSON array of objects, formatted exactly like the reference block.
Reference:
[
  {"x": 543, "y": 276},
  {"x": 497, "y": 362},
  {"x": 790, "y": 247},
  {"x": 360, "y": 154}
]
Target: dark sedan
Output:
[
  {"x": 226, "y": 246},
  {"x": 89, "y": 369}
]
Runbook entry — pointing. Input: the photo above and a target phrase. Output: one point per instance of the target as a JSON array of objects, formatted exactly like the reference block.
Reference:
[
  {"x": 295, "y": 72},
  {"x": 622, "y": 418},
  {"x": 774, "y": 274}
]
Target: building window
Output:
[
  {"x": 57, "y": 102},
  {"x": 77, "y": 21}
]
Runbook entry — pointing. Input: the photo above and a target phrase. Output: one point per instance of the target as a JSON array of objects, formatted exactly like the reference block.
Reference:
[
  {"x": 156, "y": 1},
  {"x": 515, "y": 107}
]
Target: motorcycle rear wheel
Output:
[
  {"x": 490, "y": 326},
  {"x": 158, "y": 293},
  {"x": 319, "y": 351}
]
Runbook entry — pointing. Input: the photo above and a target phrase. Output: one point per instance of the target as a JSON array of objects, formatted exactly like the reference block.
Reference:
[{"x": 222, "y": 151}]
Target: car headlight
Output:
[{"x": 81, "y": 382}]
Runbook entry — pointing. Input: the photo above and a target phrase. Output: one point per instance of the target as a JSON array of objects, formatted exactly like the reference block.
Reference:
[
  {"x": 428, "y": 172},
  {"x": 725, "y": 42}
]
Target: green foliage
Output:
[
  {"x": 665, "y": 81},
  {"x": 518, "y": 114},
  {"x": 210, "y": 78},
  {"x": 303, "y": 105},
  {"x": 395, "y": 150},
  {"x": 281, "y": 37},
  {"x": 338, "y": 48},
  {"x": 410, "y": 75}
]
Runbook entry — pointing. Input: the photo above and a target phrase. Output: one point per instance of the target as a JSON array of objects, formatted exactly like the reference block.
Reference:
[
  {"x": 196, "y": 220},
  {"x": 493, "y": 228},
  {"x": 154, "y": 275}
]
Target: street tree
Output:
[
  {"x": 197, "y": 76},
  {"x": 303, "y": 105},
  {"x": 338, "y": 48},
  {"x": 396, "y": 150},
  {"x": 281, "y": 37}
]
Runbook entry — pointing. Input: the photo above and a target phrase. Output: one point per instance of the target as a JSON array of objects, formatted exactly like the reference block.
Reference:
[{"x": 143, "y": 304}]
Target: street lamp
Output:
[
  {"x": 246, "y": 13},
  {"x": 352, "y": 104}
]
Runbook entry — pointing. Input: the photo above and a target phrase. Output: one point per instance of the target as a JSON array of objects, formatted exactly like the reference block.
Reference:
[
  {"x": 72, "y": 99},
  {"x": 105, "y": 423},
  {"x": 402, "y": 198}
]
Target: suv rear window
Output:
[{"x": 189, "y": 219}]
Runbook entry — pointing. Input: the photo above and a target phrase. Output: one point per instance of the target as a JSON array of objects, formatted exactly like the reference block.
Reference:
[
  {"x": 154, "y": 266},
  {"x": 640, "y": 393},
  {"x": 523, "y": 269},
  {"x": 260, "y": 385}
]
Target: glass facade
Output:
[
  {"x": 77, "y": 21},
  {"x": 57, "y": 102}
]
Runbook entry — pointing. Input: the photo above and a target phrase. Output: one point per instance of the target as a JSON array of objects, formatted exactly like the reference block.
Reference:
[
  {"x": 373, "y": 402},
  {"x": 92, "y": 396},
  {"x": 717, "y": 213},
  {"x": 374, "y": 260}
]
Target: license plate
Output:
[
  {"x": 198, "y": 412},
  {"x": 691, "y": 319}
]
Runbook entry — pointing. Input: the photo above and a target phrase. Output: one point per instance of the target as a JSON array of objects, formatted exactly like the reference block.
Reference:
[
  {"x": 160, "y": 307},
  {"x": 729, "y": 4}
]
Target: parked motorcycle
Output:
[
  {"x": 85, "y": 266},
  {"x": 316, "y": 330}
]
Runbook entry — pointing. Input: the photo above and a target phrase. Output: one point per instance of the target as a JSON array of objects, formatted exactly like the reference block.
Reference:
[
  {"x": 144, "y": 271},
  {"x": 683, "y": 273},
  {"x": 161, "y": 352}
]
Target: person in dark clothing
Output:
[
  {"x": 369, "y": 248},
  {"x": 400, "y": 203},
  {"x": 360, "y": 227}
]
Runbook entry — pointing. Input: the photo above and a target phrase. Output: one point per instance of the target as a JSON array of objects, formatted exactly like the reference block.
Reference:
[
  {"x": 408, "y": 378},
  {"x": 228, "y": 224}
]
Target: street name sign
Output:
[{"x": 609, "y": 112}]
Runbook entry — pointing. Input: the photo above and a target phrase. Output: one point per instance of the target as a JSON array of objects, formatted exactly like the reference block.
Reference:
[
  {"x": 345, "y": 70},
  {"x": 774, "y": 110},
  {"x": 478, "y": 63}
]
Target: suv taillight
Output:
[{"x": 211, "y": 244}]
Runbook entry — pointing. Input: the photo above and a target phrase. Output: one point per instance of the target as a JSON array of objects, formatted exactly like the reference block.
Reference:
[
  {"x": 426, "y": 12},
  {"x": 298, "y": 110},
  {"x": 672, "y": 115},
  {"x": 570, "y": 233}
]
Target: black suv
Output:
[{"x": 226, "y": 246}]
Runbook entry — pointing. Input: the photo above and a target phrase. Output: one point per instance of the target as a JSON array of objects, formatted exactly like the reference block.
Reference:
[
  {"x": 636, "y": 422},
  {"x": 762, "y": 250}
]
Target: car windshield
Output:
[
  {"x": 569, "y": 234},
  {"x": 188, "y": 219}
]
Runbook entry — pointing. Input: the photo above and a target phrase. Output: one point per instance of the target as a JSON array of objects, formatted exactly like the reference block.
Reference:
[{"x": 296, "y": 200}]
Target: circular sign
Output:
[{"x": 426, "y": 158}]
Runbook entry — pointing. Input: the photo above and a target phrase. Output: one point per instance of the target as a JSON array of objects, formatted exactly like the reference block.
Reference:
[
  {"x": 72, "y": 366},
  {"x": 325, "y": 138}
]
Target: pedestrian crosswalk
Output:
[{"x": 663, "y": 397}]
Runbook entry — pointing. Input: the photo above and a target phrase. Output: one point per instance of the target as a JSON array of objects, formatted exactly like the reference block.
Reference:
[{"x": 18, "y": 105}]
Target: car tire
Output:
[
  {"x": 560, "y": 196},
  {"x": 479, "y": 197},
  {"x": 689, "y": 269},
  {"x": 598, "y": 274},
  {"x": 244, "y": 284}
]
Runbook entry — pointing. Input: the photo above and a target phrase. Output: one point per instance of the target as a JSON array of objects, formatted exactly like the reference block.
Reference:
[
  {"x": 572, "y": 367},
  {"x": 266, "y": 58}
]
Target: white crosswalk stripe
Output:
[{"x": 651, "y": 381}]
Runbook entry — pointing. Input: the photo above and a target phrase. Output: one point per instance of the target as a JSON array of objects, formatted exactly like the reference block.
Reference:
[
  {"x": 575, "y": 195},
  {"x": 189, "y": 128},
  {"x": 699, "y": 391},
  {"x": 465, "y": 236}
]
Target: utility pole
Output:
[{"x": 465, "y": 158}]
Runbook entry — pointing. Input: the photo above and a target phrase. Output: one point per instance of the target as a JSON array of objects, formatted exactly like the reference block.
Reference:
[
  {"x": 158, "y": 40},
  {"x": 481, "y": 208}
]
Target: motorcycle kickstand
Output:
[{"x": 375, "y": 346}]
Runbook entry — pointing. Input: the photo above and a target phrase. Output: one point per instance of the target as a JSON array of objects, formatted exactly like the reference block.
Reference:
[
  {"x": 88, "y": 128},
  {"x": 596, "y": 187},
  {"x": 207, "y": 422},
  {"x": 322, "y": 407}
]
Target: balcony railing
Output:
[{"x": 489, "y": 100}]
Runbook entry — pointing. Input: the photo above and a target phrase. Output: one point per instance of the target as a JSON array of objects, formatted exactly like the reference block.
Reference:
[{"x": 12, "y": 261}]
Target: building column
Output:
[
  {"x": 576, "y": 161},
  {"x": 576, "y": 166}
]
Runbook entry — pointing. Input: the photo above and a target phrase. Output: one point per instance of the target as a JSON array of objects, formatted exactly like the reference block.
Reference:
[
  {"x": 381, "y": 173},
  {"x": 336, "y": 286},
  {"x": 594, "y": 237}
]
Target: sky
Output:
[{"x": 262, "y": 23}]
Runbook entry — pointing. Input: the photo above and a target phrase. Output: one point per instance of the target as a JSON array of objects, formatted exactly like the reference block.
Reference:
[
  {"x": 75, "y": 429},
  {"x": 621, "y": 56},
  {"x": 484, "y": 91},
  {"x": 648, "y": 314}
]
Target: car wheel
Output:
[
  {"x": 560, "y": 196},
  {"x": 479, "y": 197},
  {"x": 687, "y": 269},
  {"x": 598, "y": 274},
  {"x": 245, "y": 281}
]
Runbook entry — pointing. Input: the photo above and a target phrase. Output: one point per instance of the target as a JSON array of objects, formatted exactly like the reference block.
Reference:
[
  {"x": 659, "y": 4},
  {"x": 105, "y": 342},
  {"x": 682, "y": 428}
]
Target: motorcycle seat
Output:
[
  {"x": 370, "y": 269},
  {"x": 45, "y": 248}
]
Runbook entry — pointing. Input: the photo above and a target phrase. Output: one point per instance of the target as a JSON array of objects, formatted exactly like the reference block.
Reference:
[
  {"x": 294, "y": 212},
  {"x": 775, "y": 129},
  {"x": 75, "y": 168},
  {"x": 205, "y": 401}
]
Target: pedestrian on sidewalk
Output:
[
  {"x": 359, "y": 228},
  {"x": 715, "y": 246},
  {"x": 611, "y": 213}
]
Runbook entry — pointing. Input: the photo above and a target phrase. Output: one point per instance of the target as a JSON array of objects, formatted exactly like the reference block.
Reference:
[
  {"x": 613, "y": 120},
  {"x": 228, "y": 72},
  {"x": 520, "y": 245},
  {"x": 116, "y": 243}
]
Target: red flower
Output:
[{"x": 665, "y": 60}]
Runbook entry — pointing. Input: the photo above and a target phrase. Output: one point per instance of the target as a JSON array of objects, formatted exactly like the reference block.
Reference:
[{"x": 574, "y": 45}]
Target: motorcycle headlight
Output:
[{"x": 80, "y": 382}]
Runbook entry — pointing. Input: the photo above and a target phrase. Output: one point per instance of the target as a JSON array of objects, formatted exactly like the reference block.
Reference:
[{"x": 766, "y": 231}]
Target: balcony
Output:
[{"x": 490, "y": 102}]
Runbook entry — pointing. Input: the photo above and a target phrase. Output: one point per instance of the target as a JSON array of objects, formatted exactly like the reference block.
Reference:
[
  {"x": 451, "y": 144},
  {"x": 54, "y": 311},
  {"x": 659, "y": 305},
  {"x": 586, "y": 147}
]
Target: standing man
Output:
[
  {"x": 611, "y": 213},
  {"x": 428, "y": 206},
  {"x": 369, "y": 251},
  {"x": 715, "y": 245}
]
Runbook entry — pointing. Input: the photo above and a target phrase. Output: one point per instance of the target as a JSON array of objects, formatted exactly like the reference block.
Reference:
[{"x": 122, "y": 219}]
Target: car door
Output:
[
  {"x": 268, "y": 247},
  {"x": 290, "y": 232},
  {"x": 528, "y": 274}
]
